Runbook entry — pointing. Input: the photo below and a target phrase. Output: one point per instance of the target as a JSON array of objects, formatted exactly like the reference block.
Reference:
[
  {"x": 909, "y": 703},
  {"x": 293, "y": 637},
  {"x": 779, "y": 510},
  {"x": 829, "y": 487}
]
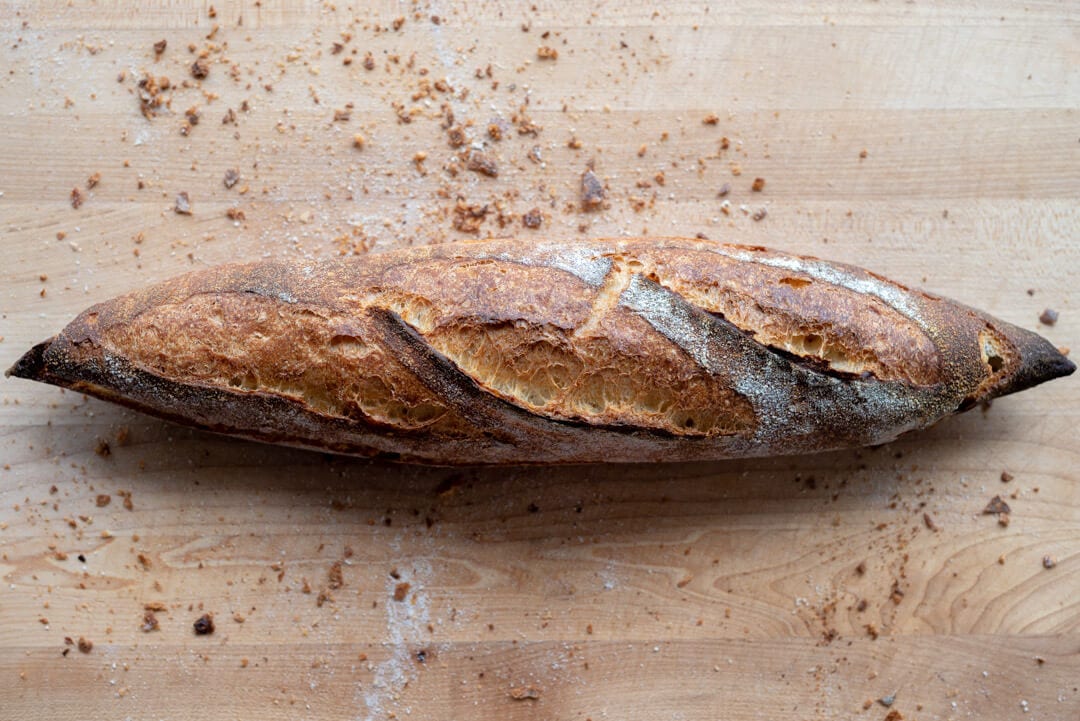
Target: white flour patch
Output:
[{"x": 406, "y": 630}]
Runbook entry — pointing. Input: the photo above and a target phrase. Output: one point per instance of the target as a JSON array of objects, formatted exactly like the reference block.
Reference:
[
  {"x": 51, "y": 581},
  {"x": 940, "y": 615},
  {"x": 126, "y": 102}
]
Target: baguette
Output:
[{"x": 498, "y": 352}]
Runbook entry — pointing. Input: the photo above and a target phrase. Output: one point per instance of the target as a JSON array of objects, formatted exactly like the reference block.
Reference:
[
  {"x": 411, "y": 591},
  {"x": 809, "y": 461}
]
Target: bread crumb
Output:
[
  {"x": 401, "y": 591},
  {"x": 77, "y": 198},
  {"x": 711, "y": 119},
  {"x": 204, "y": 625},
  {"x": 358, "y": 141},
  {"x": 996, "y": 506},
  {"x": 1048, "y": 317},
  {"x": 103, "y": 500},
  {"x": 150, "y": 622},
  {"x": 183, "y": 203},
  {"x": 758, "y": 185},
  {"x": 93, "y": 180},
  {"x": 1048, "y": 562},
  {"x": 232, "y": 177},
  {"x": 1006, "y": 476},
  {"x": 592, "y": 191},
  {"x": 199, "y": 69},
  {"x": 532, "y": 219},
  {"x": 525, "y": 693},
  {"x": 85, "y": 645},
  {"x": 545, "y": 52}
]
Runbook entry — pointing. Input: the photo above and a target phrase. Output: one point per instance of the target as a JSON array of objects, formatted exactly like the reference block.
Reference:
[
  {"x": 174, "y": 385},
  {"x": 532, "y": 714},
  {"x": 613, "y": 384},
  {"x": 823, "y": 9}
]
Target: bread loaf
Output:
[{"x": 522, "y": 352}]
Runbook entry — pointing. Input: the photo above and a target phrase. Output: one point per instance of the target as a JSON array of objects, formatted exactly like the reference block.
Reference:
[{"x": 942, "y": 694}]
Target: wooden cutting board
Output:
[{"x": 937, "y": 143}]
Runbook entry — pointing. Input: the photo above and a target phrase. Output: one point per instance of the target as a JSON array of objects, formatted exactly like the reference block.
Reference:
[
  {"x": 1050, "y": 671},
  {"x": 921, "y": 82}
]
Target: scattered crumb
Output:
[
  {"x": 159, "y": 46},
  {"x": 759, "y": 214},
  {"x": 547, "y": 53},
  {"x": 724, "y": 190},
  {"x": 525, "y": 693},
  {"x": 401, "y": 591},
  {"x": 150, "y": 622},
  {"x": 232, "y": 177},
  {"x": 711, "y": 119},
  {"x": 183, "y": 203},
  {"x": 335, "y": 578},
  {"x": 532, "y": 219},
  {"x": 1048, "y": 317},
  {"x": 85, "y": 645},
  {"x": 482, "y": 163},
  {"x": 592, "y": 191},
  {"x": 358, "y": 141},
  {"x": 863, "y": 154},
  {"x": 200, "y": 69},
  {"x": 77, "y": 198},
  {"x": 758, "y": 185},
  {"x": 204, "y": 625},
  {"x": 930, "y": 522},
  {"x": 894, "y": 715},
  {"x": 1048, "y": 562},
  {"x": 93, "y": 180},
  {"x": 1006, "y": 476},
  {"x": 102, "y": 448},
  {"x": 996, "y": 506},
  {"x": 887, "y": 701},
  {"x": 103, "y": 500}
]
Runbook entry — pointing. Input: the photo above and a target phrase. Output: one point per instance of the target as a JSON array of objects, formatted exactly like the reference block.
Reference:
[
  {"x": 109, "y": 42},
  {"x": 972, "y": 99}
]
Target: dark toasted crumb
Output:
[
  {"x": 369, "y": 62},
  {"x": 525, "y": 693},
  {"x": 1048, "y": 562},
  {"x": 150, "y": 622},
  {"x": 468, "y": 218},
  {"x": 235, "y": 214},
  {"x": 894, "y": 715},
  {"x": 1004, "y": 519},
  {"x": 592, "y": 191},
  {"x": 1048, "y": 317},
  {"x": 711, "y": 119},
  {"x": 85, "y": 645},
  {"x": 996, "y": 506},
  {"x": 103, "y": 500},
  {"x": 401, "y": 590},
  {"x": 323, "y": 598},
  {"x": 863, "y": 154},
  {"x": 335, "y": 578},
  {"x": 861, "y": 568},
  {"x": 229, "y": 118},
  {"x": 482, "y": 163},
  {"x": 929, "y": 522},
  {"x": 759, "y": 185},
  {"x": 872, "y": 631},
  {"x": 232, "y": 177},
  {"x": 532, "y": 219},
  {"x": 200, "y": 69},
  {"x": 144, "y": 560},
  {"x": 759, "y": 214},
  {"x": 204, "y": 625},
  {"x": 1006, "y": 476},
  {"x": 183, "y": 203},
  {"x": 102, "y": 448},
  {"x": 93, "y": 180},
  {"x": 76, "y": 198},
  {"x": 159, "y": 46},
  {"x": 545, "y": 52}
]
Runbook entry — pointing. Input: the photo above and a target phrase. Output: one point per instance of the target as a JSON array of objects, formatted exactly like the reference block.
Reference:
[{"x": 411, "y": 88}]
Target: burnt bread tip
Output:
[{"x": 492, "y": 352}]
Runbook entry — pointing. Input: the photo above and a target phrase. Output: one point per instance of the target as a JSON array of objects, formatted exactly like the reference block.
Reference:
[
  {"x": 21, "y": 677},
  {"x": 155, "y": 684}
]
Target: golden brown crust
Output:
[{"x": 502, "y": 352}]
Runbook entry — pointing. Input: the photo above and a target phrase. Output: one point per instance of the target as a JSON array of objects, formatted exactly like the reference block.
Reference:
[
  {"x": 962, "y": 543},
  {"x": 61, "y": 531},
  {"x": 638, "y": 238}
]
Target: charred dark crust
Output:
[{"x": 32, "y": 364}]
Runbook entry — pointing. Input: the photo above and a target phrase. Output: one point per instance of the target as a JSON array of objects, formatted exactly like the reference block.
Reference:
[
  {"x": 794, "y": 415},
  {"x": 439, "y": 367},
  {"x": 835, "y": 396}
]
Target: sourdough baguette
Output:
[{"x": 492, "y": 352}]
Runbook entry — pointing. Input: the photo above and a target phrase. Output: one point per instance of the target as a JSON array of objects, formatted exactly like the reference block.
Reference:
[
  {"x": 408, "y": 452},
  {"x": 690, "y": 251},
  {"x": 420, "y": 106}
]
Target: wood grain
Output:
[{"x": 774, "y": 588}]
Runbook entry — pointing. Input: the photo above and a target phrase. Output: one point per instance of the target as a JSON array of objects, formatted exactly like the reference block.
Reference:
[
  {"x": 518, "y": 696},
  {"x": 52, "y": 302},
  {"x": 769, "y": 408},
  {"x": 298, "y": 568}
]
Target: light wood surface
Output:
[{"x": 793, "y": 588}]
